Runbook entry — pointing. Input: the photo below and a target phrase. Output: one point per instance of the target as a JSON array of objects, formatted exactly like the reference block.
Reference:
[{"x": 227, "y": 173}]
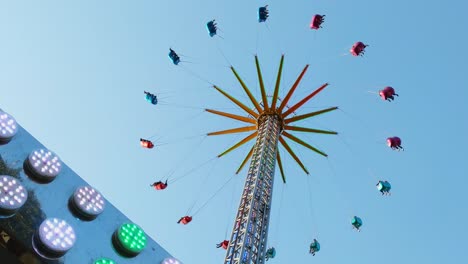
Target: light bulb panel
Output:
[
  {"x": 8, "y": 127},
  {"x": 57, "y": 236},
  {"x": 171, "y": 261},
  {"x": 45, "y": 164},
  {"x": 130, "y": 238},
  {"x": 88, "y": 201},
  {"x": 13, "y": 195}
]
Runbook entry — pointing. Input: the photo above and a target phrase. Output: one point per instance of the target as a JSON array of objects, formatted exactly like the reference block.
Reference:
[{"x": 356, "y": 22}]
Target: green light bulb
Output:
[
  {"x": 104, "y": 261},
  {"x": 131, "y": 238}
]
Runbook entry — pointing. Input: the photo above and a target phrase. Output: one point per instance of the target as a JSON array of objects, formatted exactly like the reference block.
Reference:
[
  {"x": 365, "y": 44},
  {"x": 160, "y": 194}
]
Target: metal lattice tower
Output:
[
  {"x": 269, "y": 123},
  {"x": 249, "y": 235}
]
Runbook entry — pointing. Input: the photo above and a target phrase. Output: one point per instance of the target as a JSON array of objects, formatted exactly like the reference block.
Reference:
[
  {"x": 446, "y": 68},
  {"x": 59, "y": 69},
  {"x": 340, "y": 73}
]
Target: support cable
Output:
[{"x": 214, "y": 195}]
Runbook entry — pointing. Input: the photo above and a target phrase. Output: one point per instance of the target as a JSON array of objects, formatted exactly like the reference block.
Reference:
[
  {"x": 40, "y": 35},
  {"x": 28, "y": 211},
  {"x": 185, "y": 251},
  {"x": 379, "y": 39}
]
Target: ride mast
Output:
[{"x": 269, "y": 123}]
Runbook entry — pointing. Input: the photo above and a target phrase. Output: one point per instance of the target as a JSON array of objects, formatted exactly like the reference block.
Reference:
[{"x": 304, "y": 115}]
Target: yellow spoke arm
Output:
[
  {"x": 232, "y": 131},
  {"x": 236, "y": 117},
  {"x": 278, "y": 80},
  {"x": 240, "y": 143},
  {"x": 262, "y": 86},
  {"x": 280, "y": 165},
  {"x": 300, "y": 117},
  {"x": 297, "y": 140},
  {"x": 311, "y": 130},
  {"x": 234, "y": 100},
  {"x": 246, "y": 159},
  {"x": 286, "y": 146},
  {"x": 246, "y": 89}
]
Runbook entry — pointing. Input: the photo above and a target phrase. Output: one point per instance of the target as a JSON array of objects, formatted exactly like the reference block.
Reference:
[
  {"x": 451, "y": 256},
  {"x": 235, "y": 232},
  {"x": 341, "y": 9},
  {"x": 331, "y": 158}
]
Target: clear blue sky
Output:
[{"x": 73, "y": 74}]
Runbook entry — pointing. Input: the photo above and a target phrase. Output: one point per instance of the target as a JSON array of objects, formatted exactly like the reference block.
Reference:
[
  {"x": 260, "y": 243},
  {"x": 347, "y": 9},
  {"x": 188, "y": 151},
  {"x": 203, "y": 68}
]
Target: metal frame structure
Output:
[
  {"x": 269, "y": 123},
  {"x": 249, "y": 235}
]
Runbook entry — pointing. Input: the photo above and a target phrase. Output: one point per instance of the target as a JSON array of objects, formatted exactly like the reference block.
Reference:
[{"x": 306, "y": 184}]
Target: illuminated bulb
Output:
[
  {"x": 40, "y": 162},
  {"x": 129, "y": 240},
  {"x": 104, "y": 261},
  {"x": 87, "y": 202},
  {"x": 8, "y": 127},
  {"x": 171, "y": 261},
  {"x": 54, "y": 238},
  {"x": 10, "y": 202}
]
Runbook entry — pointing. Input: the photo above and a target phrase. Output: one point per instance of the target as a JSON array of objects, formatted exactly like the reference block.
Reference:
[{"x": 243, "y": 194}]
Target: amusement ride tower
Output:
[{"x": 269, "y": 123}]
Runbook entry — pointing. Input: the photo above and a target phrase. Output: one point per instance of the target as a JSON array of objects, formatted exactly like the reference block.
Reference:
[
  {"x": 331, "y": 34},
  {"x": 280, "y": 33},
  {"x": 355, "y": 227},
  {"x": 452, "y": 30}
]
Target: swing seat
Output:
[
  {"x": 160, "y": 186},
  {"x": 186, "y": 220},
  {"x": 357, "y": 48},
  {"x": 147, "y": 144},
  {"x": 317, "y": 20}
]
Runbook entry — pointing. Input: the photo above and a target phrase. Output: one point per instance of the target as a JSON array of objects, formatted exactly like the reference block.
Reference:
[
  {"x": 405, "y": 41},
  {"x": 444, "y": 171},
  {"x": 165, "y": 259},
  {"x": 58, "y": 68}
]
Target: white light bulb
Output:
[
  {"x": 171, "y": 261},
  {"x": 9, "y": 200},
  {"x": 88, "y": 201},
  {"x": 8, "y": 127},
  {"x": 41, "y": 163},
  {"x": 53, "y": 237}
]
